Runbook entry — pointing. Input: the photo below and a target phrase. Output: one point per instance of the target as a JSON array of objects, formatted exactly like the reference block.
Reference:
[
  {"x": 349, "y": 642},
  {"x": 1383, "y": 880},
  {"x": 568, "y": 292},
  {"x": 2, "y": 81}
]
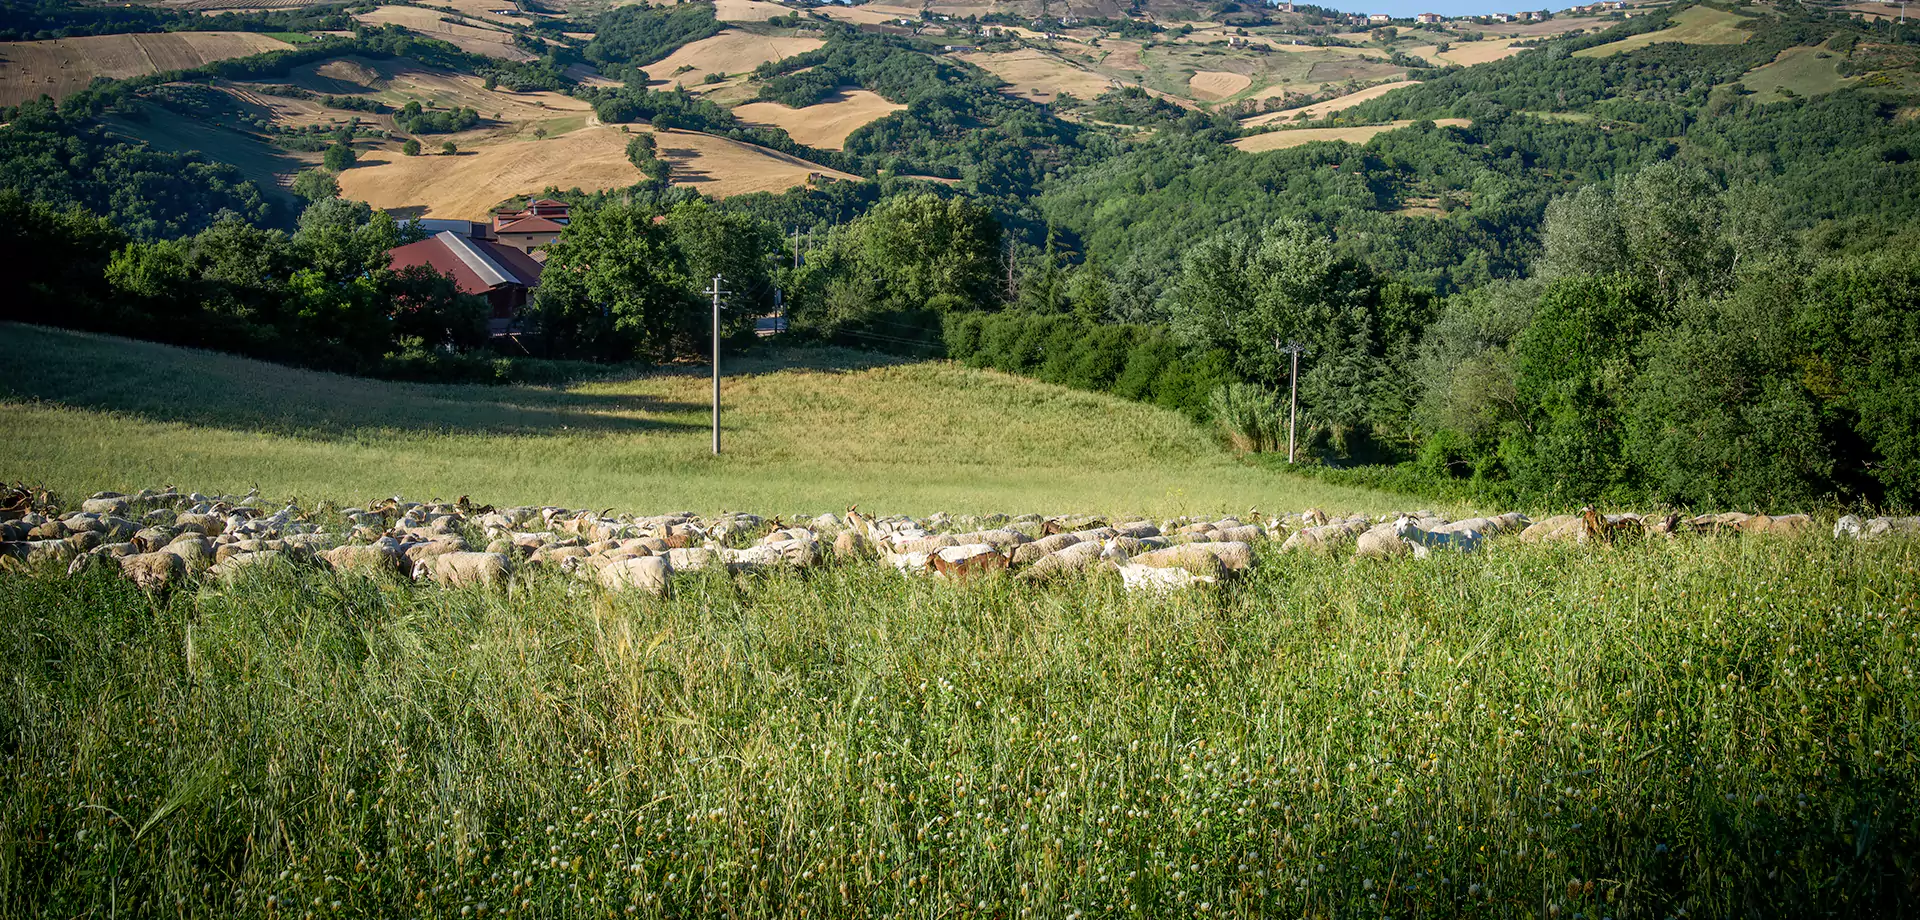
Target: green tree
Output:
[
  {"x": 615, "y": 286},
  {"x": 740, "y": 248},
  {"x": 339, "y": 157},
  {"x": 1574, "y": 371},
  {"x": 641, "y": 150},
  {"x": 411, "y": 147},
  {"x": 448, "y": 149},
  {"x": 315, "y": 185}
]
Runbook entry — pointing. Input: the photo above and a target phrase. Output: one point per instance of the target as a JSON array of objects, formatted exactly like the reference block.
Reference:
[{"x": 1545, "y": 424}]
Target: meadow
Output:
[
  {"x": 804, "y": 431},
  {"x": 1694, "y": 728}
]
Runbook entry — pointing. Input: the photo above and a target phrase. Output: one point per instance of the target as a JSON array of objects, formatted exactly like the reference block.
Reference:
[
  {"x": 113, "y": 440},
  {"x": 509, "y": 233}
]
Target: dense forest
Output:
[{"x": 1622, "y": 279}]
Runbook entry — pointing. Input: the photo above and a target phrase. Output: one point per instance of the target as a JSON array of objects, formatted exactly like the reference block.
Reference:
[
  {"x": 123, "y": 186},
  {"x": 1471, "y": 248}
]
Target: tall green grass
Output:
[
  {"x": 1708, "y": 728},
  {"x": 804, "y": 431}
]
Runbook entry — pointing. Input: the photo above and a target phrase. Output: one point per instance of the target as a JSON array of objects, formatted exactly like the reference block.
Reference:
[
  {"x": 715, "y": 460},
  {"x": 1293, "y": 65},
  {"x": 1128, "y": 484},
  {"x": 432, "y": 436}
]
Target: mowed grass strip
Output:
[
  {"x": 804, "y": 431},
  {"x": 1554, "y": 731}
]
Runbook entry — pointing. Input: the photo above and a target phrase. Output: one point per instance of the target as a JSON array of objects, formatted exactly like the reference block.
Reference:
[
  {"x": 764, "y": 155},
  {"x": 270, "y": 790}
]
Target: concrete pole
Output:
[{"x": 716, "y": 292}]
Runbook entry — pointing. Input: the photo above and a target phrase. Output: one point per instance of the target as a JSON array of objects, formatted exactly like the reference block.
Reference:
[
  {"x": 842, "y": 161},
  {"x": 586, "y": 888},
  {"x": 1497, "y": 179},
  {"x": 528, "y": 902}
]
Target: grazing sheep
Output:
[
  {"x": 1148, "y": 579},
  {"x": 1072, "y": 558},
  {"x": 153, "y": 571},
  {"x": 462, "y": 568},
  {"x": 372, "y": 559},
  {"x": 647, "y": 573},
  {"x": 967, "y": 560},
  {"x": 1382, "y": 542},
  {"x": 1421, "y": 539}
]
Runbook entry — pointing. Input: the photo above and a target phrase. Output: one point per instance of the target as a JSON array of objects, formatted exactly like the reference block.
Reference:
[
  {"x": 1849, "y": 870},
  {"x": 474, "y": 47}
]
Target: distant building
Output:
[
  {"x": 1428, "y": 18},
  {"x": 1379, "y": 19},
  {"x": 501, "y": 274},
  {"x": 1501, "y": 17},
  {"x": 1538, "y": 15}
]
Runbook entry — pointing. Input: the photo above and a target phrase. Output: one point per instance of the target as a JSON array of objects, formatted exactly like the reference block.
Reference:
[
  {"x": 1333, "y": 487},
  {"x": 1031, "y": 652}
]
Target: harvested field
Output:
[
  {"x": 1122, "y": 56},
  {"x": 1320, "y": 109},
  {"x": 487, "y": 10},
  {"x": 1695, "y": 25},
  {"x": 824, "y": 125},
  {"x": 1467, "y": 54},
  {"x": 592, "y": 158},
  {"x": 730, "y": 52},
  {"x": 1034, "y": 74},
  {"x": 1277, "y": 140},
  {"x": 1212, "y": 85},
  {"x": 398, "y": 80},
  {"x": 1796, "y": 72},
  {"x": 495, "y": 43},
  {"x": 63, "y": 66},
  {"x": 747, "y": 10}
]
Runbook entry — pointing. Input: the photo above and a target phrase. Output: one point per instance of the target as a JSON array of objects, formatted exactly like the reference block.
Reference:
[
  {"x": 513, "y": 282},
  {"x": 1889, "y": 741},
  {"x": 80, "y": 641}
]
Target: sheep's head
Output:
[
  {"x": 1404, "y": 527},
  {"x": 421, "y": 568}
]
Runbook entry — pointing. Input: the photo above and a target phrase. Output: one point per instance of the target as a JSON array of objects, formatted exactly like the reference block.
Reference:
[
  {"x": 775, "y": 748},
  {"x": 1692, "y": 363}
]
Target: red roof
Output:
[
  {"x": 477, "y": 266},
  {"x": 546, "y": 203},
  {"x": 531, "y": 225}
]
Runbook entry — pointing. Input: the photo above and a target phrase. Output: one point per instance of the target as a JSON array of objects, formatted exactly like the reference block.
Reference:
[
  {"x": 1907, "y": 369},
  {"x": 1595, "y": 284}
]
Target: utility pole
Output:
[
  {"x": 1293, "y": 389},
  {"x": 796, "y": 247},
  {"x": 716, "y": 292}
]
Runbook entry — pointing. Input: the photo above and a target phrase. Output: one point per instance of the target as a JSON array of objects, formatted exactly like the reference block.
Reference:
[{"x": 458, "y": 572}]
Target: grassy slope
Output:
[
  {"x": 1728, "y": 725},
  {"x": 903, "y": 438}
]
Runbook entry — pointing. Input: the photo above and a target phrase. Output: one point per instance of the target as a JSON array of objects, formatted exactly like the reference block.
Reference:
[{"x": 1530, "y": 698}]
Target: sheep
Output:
[
  {"x": 647, "y": 573},
  {"x": 1421, "y": 539},
  {"x": 461, "y": 569},
  {"x": 1072, "y": 558},
  {"x": 967, "y": 560},
  {"x": 153, "y": 571},
  {"x": 373, "y": 559},
  {"x": 1147, "y": 579}
]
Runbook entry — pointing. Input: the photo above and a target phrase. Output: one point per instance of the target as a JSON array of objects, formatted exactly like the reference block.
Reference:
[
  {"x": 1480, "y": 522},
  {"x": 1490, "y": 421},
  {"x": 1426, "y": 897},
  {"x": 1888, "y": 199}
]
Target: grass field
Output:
[
  {"x": 89, "y": 412},
  {"x": 1277, "y": 140},
  {"x": 1707, "y": 728},
  {"x": 730, "y": 52},
  {"x": 1695, "y": 25},
  {"x": 63, "y": 66},
  {"x": 824, "y": 125},
  {"x": 1796, "y": 72},
  {"x": 269, "y": 166}
]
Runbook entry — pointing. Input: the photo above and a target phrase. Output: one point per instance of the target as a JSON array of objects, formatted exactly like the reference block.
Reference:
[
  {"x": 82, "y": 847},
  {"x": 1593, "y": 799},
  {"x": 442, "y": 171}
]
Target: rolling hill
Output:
[{"x": 806, "y": 431}]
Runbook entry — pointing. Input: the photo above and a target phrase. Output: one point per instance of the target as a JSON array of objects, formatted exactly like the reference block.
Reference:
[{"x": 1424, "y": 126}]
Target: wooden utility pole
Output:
[
  {"x": 1293, "y": 389},
  {"x": 716, "y": 292}
]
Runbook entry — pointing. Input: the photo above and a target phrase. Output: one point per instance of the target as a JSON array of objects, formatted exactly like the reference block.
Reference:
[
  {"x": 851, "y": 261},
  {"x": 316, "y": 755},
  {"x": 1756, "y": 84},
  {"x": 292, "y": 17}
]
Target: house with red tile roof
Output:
[{"x": 484, "y": 268}]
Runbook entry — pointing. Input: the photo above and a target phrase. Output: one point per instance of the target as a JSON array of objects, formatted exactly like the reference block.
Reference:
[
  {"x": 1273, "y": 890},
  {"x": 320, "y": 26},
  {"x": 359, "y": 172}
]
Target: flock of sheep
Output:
[{"x": 159, "y": 538}]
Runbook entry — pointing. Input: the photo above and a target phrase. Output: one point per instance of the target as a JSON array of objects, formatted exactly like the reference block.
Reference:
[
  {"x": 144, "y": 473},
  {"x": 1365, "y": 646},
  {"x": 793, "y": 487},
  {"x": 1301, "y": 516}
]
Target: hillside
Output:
[
  {"x": 60, "y": 67},
  {"x": 804, "y": 431}
]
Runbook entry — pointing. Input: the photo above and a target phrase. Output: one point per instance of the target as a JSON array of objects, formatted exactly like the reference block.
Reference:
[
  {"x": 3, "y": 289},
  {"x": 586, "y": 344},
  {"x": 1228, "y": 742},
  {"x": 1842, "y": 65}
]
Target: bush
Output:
[
  {"x": 1251, "y": 415},
  {"x": 411, "y": 147}
]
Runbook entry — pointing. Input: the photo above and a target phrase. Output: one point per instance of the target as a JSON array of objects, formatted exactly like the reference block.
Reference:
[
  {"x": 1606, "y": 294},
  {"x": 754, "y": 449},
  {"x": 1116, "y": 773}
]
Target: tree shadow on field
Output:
[{"x": 209, "y": 389}]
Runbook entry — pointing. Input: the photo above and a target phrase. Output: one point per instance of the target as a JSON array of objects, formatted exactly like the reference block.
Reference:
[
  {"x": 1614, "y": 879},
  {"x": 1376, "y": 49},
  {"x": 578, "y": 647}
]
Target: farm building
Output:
[
  {"x": 501, "y": 274},
  {"x": 1429, "y": 18},
  {"x": 1379, "y": 19}
]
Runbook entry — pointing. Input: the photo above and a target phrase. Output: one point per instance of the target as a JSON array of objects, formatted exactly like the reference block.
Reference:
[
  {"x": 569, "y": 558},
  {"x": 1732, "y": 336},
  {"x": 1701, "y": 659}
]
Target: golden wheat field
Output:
[
  {"x": 730, "y": 52},
  {"x": 496, "y": 43},
  {"x": 62, "y": 66},
  {"x": 824, "y": 125},
  {"x": 591, "y": 158}
]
